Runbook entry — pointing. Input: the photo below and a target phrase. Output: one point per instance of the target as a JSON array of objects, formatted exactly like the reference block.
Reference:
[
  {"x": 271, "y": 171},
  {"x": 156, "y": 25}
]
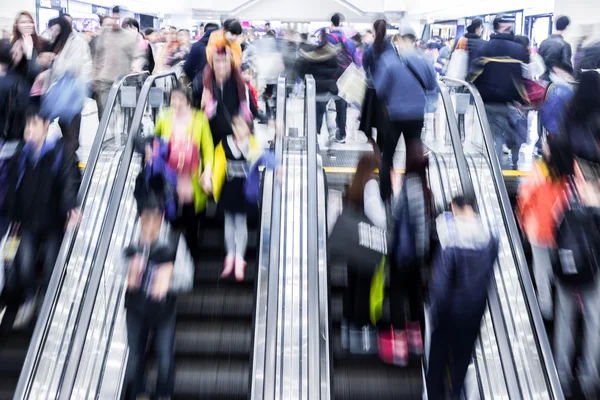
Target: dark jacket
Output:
[
  {"x": 463, "y": 268},
  {"x": 14, "y": 97},
  {"x": 497, "y": 70},
  {"x": 321, "y": 62},
  {"x": 474, "y": 44},
  {"x": 556, "y": 52},
  {"x": 590, "y": 57},
  {"x": 196, "y": 59},
  {"x": 371, "y": 58},
  {"x": 228, "y": 105},
  {"x": 43, "y": 189},
  {"x": 402, "y": 81}
]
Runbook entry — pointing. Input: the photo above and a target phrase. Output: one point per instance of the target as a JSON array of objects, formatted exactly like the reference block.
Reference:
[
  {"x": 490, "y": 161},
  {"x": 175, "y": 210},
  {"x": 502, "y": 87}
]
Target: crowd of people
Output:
[{"x": 203, "y": 147}]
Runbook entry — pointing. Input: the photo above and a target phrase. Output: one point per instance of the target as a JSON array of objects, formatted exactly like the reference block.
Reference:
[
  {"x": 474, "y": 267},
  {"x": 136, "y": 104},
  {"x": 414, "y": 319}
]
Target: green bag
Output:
[{"x": 377, "y": 292}]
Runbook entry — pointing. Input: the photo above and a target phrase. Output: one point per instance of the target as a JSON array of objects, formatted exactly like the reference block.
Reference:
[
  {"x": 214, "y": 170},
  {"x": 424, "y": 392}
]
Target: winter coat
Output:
[
  {"x": 556, "y": 52},
  {"x": 397, "y": 83},
  {"x": 43, "y": 188},
  {"x": 321, "y": 63},
  {"x": 497, "y": 70},
  {"x": 197, "y": 60},
  {"x": 75, "y": 57},
  {"x": 463, "y": 269},
  {"x": 589, "y": 58},
  {"x": 540, "y": 203},
  {"x": 14, "y": 97},
  {"x": 228, "y": 106},
  {"x": 202, "y": 138}
]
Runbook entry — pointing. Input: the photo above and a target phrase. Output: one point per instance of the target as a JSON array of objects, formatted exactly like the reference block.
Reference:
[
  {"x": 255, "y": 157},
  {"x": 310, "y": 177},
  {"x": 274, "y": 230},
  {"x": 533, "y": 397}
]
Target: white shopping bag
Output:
[
  {"x": 458, "y": 65},
  {"x": 352, "y": 85},
  {"x": 182, "y": 279}
]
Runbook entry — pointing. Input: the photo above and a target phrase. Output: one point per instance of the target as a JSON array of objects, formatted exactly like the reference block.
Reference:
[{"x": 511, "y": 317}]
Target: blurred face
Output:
[
  {"x": 179, "y": 102},
  {"x": 54, "y": 32},
  {"x": 151, "y": 221},
  {"x": 36, "y": 130},
  {"x": 25, "y": 25},
  {"x": 108, "y": 21},
  {"x": 183, "y": 37},
  {"x": 221, "y": 67},
  {"x": 163, "y": 35},
  {"x": 247, "y": 75},
  {"x": 451, "y": 43},
  {"x": 368, "y": 38},
  {"x": 171, "y": 36},
  {"x": 240, "y": 128},
  {"x": 153, "y": 37},
  {"x": 230, "y": 37}
]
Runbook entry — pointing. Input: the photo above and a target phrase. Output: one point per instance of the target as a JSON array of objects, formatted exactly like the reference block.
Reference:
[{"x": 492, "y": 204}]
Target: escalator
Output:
[{"x": 18, "y": 349}]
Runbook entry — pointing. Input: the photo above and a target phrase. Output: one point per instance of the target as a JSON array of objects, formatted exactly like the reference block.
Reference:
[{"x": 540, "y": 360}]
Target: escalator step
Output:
[
  {"x": 209, "y": 271},
  {"x": 214, "y": 240},
  {"x": 214, "y": 338},
  {"x": 214, "y": 379},
  {"x": 211, "y": 301}
]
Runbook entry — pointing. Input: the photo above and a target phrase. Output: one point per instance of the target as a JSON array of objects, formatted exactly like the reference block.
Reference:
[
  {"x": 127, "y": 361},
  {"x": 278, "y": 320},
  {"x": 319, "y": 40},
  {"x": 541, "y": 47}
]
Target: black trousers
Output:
[
  {"x": 70, "y": 132},
  {"x": 188, "y": 222},
  {"x": 341, "y": 115},
  {"x": 451, "y": 347},
  {"x": 405, "y": 284},
  {"x": 412, "y": 139},
  {"x": 356, "y": 298}
]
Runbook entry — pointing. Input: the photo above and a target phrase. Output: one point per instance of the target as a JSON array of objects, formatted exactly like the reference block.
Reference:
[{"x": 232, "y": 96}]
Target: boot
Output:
[
  {"x": 228, "y": 267},
  {"x": 240, "y": 267},
  {"x": 415, "y": 339}
]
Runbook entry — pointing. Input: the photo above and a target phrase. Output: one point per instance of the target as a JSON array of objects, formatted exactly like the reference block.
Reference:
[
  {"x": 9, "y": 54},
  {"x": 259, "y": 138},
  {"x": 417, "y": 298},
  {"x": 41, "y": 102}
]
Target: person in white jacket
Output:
[{"x": 71, "y": 54}]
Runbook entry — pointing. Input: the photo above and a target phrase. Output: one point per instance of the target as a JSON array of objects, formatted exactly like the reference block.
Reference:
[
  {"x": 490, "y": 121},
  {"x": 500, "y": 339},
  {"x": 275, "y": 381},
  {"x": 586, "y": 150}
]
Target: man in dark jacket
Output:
[
  {"x": 555, "y": 50},
  {"x": 461, "y": 275},
  {"x": 497, "y": 71},
  {"x": 43, "y": 184},
  {"x": 196, "y": 60}
]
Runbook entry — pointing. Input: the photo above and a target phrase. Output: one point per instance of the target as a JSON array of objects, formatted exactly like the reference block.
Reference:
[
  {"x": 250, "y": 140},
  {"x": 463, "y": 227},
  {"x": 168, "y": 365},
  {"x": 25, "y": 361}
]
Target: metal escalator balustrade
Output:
[
  {"x": 46, "y": 353},
  {"x": 537, "y": 376}
]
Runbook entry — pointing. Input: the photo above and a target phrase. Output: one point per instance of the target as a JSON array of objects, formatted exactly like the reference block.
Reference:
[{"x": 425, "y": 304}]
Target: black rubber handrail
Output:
[
  {"x": 514, "y": 241},
  {"x": 83, "y": 321},
  {"x": 52, "y": 293}
]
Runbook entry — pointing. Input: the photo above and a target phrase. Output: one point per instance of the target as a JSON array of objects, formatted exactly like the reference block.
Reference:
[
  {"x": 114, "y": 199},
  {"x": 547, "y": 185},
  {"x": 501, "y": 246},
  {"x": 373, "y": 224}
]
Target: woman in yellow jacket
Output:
[{"x": 190, "y": 154}]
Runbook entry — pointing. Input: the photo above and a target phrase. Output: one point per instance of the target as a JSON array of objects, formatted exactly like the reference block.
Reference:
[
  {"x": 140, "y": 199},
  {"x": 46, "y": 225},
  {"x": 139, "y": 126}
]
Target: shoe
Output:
[
  {"x": 363, "y": 340},
  {"x": 228, "y": 267},
  {"x": 345, "y": 334},
  {"x": 26, "y": 313},
  {"x": 400, "y": 348},
  {"x": 385, "y": 340},
  {"x": 415, "y": 339},
  {"x": 505, "y": 149},
  {"x": 240, "y": 266},
  {"x": 211, "y": 109},
  {"x": 339, "y": 140}
]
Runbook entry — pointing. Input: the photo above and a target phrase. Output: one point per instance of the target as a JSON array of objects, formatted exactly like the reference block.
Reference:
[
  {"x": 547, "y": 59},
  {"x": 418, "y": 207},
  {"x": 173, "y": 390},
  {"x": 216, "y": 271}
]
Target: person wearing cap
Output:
[
  {"x": 497, "y": 72},
  {"x": 555, "y": 50},
  {"x": 471, "y": 42},
  {"x": 403, "y": 79}
]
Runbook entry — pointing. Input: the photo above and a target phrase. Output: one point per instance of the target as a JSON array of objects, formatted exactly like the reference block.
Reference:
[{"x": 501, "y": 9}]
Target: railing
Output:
[
  {"x": 264, "y": 387},
  {"x": 514, "y": 242},
  {"x": 42, "y": 326}
]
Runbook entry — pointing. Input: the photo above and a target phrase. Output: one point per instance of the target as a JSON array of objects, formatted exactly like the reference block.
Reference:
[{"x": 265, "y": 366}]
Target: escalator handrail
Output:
[
  {"x": 272, "y": 297},
  {"x": 84, "y": 318},
  {"x": 514, "y": 240},
  {"x": 500, "y": 329},
  {"x": 43, "y": 322}
]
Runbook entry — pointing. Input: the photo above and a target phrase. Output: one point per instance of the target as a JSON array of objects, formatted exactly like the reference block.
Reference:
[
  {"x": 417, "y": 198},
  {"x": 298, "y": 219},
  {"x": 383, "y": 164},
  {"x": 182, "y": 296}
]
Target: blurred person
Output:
[
  {"x": 68, "y": 18},
  {"x": 225, "y": 39},
  {"x": 269, "y": 64},
  {"x": 362, "y": 196},
  {"x": 540, "y": 200},
  {"x": 197, "y": 61},
  {"x": 444, "y": 55},
  {"x": 555, "y": 50},
  {"x": 359, "y": 48},
  {"x": 373, "y": 113},
  {"x": 346, "y": 56},
  {"x": 233, "y": 157},
  {"x": 497, "y": 73},
  {"x": 183, "y": 47},
  {"x": 201, "y": 31},
  {"x": 321, "y": 63},
  {"x": 150, "y": 301},
  {"x": 267, "y": 26},
  {"x": 151, "y": 37},
  {"x": 580, "y": 124},
  {"x": 403, "y": 82},
  {"x": 116, "y": 53},
  {"x": 166, "y": 51},
  {"x": 42, "y": 193},
  {"x": 252, "y": 94},
  {"x": 14, "y": 97},
  {"x": 163, "y": 35},
  {"x": 28, "y": 50},
  {"x": 462, "y": 272},
  {"x": 190, "y": 154},
  {"x": 471, "y": 42},
  {"x": 368, "y": 37},
  {"x": 72, "y": 56},
  {"x": 5, "y": 34},
  {"x": 577, "y": 283}
]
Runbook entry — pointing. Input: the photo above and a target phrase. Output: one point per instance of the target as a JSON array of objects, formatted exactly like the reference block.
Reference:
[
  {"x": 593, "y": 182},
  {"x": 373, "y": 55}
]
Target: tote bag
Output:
[
  {"x": 64, "y": 99},
  {"x": 352, "y": 85},
  {"x": 458, "y": 65}
]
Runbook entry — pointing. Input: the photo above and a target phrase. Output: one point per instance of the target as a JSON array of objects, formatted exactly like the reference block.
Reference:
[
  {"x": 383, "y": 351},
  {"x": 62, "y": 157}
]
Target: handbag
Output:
[
  {"x": 458, "y": 65},
  {"x": 352, "y": 85},
  {"x": 354, "y": 238},
  {"x": 64, "y": 99}
]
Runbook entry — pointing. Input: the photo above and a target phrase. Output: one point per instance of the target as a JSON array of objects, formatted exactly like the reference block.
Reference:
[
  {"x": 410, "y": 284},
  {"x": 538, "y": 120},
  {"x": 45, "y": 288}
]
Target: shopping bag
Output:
[
  {"x": 458, "y": 65},
  {"x": 64, "y": 99},
  {"x": 354, "y": 238},
  {"x": 269, "y": 65},
  {"x": 377, "y": 293},
  {"x": 8, "y": 252},
  {"x": 352, "y": 85},
  {"x": 182, "y": 279}
]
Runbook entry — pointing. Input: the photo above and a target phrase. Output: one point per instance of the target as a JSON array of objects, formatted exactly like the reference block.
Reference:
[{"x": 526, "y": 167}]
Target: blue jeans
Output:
[
  {"x": 498, "y": 116},
  {"x": 26, "y": 257},
  {"x": 143, "y": 317}
]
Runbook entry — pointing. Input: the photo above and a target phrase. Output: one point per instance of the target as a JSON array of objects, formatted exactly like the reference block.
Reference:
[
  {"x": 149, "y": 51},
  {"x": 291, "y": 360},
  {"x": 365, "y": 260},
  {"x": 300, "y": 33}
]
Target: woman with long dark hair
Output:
[
  {"x": 358, "y": 334},
  {"x": 26, "y": 45},
  {"x": 72, "y": 55},
  {"x": 581, "y": 120},
  {"x": 373, "y": 113}
]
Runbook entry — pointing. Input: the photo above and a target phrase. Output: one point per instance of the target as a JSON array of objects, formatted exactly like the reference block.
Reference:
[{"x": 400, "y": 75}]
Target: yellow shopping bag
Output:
[{"x": 377, "y": 292}]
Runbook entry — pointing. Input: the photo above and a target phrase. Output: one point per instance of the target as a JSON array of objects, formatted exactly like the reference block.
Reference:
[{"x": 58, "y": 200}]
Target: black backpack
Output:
[
  {"x": 578, "y": 242},
  {"x": 344, "y": 56}
]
